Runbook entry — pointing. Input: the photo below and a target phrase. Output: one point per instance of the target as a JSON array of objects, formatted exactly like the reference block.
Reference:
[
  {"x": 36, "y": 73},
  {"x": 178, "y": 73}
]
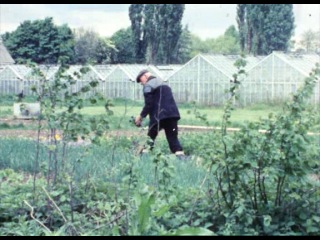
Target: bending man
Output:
[{"x": 162, "y": 110}]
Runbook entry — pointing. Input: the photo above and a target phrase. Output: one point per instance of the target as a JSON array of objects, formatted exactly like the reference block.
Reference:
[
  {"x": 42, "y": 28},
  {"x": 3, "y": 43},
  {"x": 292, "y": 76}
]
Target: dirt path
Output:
[
  {"x": 23, "y": 133},
  {"x": 15, "y": 132},
  {"x": 20, "y": 133}
]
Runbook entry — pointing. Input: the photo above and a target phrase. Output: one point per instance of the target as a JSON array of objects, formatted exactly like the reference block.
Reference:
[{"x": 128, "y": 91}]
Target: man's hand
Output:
[{"x": 138, "y": 121}]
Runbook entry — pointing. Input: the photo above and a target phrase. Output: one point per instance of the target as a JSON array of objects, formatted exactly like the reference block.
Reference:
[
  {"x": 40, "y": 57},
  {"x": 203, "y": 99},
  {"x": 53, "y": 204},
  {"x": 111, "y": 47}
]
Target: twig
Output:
[
  {"x": 120, "y": 215},
  {"x": 31, "y": 215},
  {"x": 55, "y": 204}
]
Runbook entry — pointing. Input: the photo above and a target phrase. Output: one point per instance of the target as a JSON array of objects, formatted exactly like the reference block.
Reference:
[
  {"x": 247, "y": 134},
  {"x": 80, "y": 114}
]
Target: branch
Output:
[{"x": 31, "y": 215}]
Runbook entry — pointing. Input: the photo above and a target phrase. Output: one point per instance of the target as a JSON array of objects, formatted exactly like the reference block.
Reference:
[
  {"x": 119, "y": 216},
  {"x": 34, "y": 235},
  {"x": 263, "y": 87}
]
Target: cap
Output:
[{"x": 140, "y": 74}]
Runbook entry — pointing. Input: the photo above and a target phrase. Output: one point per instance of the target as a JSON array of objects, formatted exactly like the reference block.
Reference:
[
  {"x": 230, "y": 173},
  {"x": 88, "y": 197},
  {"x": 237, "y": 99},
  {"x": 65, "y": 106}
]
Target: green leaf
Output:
[
  {"x": 161, "y": 211},
  {"x": 63, "y": 198},
  {"x": 144, "y": 212},
  {"x": 316, "y": 218},
  {"x": 240, "y": 209},
  {"x": 93, "y": 100},
  {"x": 267, "y": 220},
  {"x": 303, "y": 216}
]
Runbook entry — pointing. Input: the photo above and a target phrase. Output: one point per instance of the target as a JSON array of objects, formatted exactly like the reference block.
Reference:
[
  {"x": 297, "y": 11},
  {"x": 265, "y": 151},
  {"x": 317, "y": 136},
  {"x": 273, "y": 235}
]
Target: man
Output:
[{"x": 162, "y": 110}]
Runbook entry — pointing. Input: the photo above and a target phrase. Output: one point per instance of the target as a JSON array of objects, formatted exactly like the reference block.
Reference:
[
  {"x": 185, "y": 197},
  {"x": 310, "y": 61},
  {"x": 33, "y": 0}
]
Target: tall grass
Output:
[{"x": 100, "y": 163}]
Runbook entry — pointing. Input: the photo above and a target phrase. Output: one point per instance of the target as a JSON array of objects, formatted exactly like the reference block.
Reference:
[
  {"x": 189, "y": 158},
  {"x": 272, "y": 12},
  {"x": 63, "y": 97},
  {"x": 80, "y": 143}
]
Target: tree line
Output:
[{"x": 157, "y": 36}]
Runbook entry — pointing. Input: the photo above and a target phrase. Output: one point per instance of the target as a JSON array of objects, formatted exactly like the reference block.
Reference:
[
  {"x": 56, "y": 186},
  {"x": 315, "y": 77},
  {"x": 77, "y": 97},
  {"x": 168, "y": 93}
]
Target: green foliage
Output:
[
  {"x": 225, "y": 44},
  {"x": 265, "y": 27},
  {"x": 156, "y": 31},
  {"x": 170, "y": 32},
  {"x": 5, "y": 113},
  {"x": 261, "y": 177},
  {"x": 73, "y": 125},
  {"x": 198, "y": 45},
  {"x": 67, "y": 44},
  {"x": 104, "y": 50},
  {"x": 90, "y": 48},
  {"x": 184, "y": 50},
  {"x": 241, "y": 17},
  {"x": 124, "y": 49},
  {"x": 41, "y": 41},
  {"x": 14, "y": 126},
  {"x": 244, "y": 183},
  {"x": 139, "y": 40},
  {"x": 141, "y": 222},
  {"x": 6, "y": 100},
  {"x": 310, "y": 40}
]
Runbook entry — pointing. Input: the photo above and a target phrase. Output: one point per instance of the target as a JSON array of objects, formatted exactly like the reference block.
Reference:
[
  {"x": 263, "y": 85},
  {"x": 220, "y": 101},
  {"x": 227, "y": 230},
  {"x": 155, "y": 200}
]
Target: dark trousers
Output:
[{"x": 170, "y": 127}]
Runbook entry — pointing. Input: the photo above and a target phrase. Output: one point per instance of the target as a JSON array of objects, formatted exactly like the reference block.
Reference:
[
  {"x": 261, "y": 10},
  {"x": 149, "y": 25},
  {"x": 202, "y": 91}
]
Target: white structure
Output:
[
  {"x": 16, "y": 78},
  {"x": 206, "y": 78},
  {"x": 277, "y": 77},
  {"x": 5, "y": 57},
  {"x": 121, "y": 81},
  {"x": 26, "y": 110}
]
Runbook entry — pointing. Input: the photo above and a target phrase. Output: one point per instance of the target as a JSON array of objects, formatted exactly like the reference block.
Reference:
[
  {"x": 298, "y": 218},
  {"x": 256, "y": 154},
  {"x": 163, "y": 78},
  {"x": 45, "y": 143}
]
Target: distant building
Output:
[{"x": 5, "y": 57}]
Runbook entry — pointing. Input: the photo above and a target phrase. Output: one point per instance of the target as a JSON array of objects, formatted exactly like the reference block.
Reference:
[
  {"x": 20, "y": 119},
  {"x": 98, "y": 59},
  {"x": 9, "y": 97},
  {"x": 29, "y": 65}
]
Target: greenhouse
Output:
[
  {"x": 17, "y": 78},
  {"x": 83, "y": 75},
  {"x": 116, "y": 81},
  {"x": 121, "y": 81},
  {"x": 118, "y": 84},
  {"x": 277, "y": 77},
  {"x": 5, "y": 57},
  {"x": 48, "y": 71},
  {"x": 206, "y": 78}
]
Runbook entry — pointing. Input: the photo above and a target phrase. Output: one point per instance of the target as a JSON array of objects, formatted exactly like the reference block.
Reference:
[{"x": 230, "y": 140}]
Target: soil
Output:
[
  {"x": 14, "y": 131},
  {"x": 21, "y": 133},
  {"x": 28, "y": 129}
]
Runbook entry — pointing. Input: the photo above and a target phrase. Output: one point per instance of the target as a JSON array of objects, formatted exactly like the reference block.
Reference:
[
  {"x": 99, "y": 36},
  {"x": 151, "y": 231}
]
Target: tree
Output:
[
  {"x": 86, "y": 42},
  {"x": 153, "y": 21},
  {"x": 66, "y": 47},
  {"x": 184, "y": 47},
  {"x": 264, "y": 28},
  {"x": 225, "y": 44},
  {"x": 199, "y": 46},
  {"x": 138, "y": 32},
  {"x": 232, "y": 32},
  {"x": 124, "y": 49},
  {"x": 156, "y": 31},
  {"x": 228, "y": 43},
  {"x": 105, "y": 47},
  {"x": 278, "y": 28},
  {"x": 170, "y": 31},
  {"x": 91, "y": 48},
  {"x": 241, "y": 23},
  {"x": 310, "y": 40},
  {"x": 41, "y": 42}
]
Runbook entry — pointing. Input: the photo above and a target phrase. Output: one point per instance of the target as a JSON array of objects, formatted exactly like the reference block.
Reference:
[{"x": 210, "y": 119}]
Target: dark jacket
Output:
[{"x": 159, "y": 102}]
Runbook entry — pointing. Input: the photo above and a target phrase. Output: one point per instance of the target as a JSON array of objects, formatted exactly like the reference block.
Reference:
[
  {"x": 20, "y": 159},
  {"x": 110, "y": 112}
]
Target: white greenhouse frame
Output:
[
  {"x": 276, "y": 77},
  {"x": 205, "y": 79}
]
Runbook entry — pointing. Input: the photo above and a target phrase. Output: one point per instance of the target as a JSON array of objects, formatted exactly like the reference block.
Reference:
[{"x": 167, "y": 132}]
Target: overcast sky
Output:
[{"x": 204, "y": 20}]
